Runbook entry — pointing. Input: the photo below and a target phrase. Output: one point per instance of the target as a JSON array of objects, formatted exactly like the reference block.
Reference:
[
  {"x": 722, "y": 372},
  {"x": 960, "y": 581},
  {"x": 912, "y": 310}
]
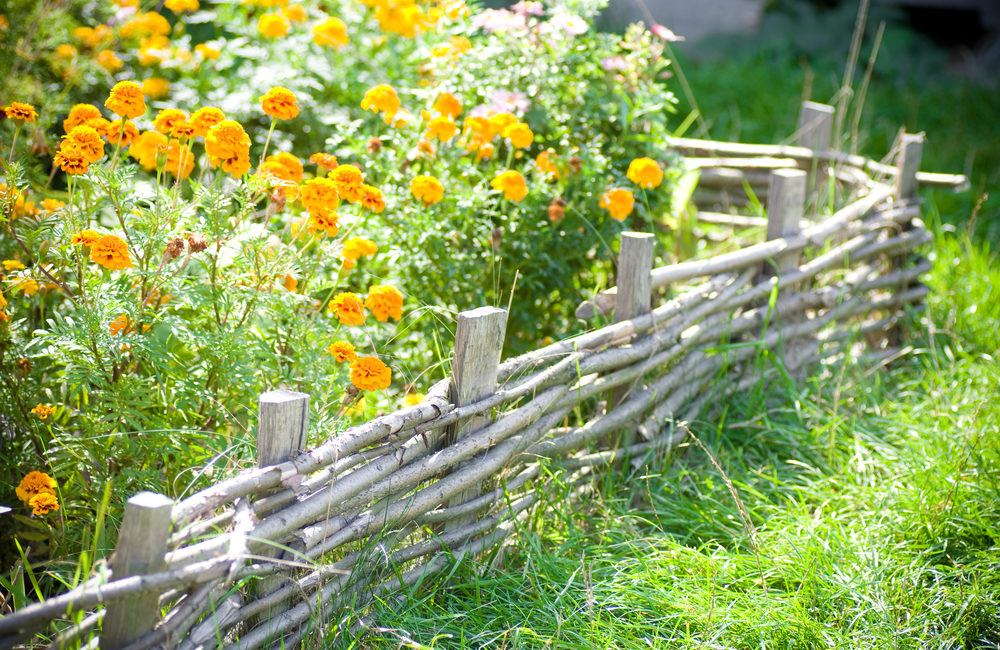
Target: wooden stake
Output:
[
  {"x": 815, "y": 126},
  {"x": 785, "y": 207},
  {"x": 479, "y": 339},
  {"x": 142, "y": 543},
  {"x": 908, "y": 163},
  {"x": 283, "y": 422}
]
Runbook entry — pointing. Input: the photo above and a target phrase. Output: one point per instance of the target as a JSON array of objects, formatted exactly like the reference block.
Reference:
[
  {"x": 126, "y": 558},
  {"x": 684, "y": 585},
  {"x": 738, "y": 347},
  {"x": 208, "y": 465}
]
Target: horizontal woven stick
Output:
[
  {"x": 736, "y": 220},
  {"x": 740, "y": 163}
]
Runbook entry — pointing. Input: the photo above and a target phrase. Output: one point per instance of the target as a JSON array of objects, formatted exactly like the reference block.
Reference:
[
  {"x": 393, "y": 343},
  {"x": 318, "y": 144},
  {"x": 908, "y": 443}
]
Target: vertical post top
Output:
[
  {"x": 481, "y": 312},
  {"x": 150, "y": 501},
  {"x": 816, "y": 107},
  {"x": 791, "y": 173},
  {"x": 282, "y": 396}
]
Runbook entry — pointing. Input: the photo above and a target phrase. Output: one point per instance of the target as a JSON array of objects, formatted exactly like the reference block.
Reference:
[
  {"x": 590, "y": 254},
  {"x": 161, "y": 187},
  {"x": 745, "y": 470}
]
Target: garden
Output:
[{"x": 203, "y": 202}]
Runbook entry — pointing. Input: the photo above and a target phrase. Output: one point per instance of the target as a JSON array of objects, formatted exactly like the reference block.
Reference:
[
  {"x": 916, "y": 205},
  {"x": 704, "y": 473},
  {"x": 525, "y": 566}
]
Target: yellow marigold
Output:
[
  {"x": 110, "y": 252},
  {"x": 348, "y": 308},
  {"x": 27, "y": 286},
  {"x": 183, "y": 130},
  {"x": 128, "y": 133},
  {"x": 126, "y": 99},
  {"x": 546, "y": 165},
  {"x": 35, "y": 483},
  {"x": 480, "y": 129},
  {"x": 369, "y": 373},
  {"x": 342, "y": 351},
  {"x": 180, "y": 6},
  {"x": 52, "y": 205},
  {"x": 207, "y": 52},
  {"x": 485, "y": 152},
  {"x": 618, "y": 202},
  {"x": 295, "y": 13},
  {"x": 71, "y": 160},
  {"x": 384, "y": 302},
  {"x": 66, "y": 51},
  {"x": 348, "y": 180},
  {"x": 381, "y": 99},
  {"x": 144, "y": 148},
  {"x": 167, "y": 118},
  {"x": 520, "y": 135},
  {"x": 441, "y": 128},
  {"x": 357, "y": 247},
  {"x": 87, "y": 140},
  {"x": 324, "y": 160},
  {"x": 273, "y": 25},
  {"x": 80, "y": 114},
  {"x": 180, "y": 160},
  {"x": 448, "y": 104},
  {"x": 21, "y": 112},
  {"x": 280, "y": 103},
  {"x": 286, "y": 166},
  {"x": 371, "y": 198},
  {"x": 100, "y": 125},
  {"x": 427, "y": 189},
  {"x": 42, "y": 504},
  {"x": 205, "y": 118},
  {"x": 290, "y": 283},
  {"x": 512, "y": 184},
  {"x": 229, "y": 145},
  {"x": 412, "y": 399},
  {"x": 86, "y": 237},
  {"x": 109, "y": 61},
  {"x": 325, "y": 220},
  {"x": 645, "y": 172},
  {"x": 332, "y": 32},
  {"x": 120, "y": 325},
  {"x": 12, "y": 265},
  {"x": 156, "y": 87},
  {"x": 320, "y": 194},
  {"x": 501, "y": 121}
]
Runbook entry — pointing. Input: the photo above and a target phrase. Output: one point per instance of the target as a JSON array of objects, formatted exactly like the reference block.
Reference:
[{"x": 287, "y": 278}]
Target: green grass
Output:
[{"x": 874, "y": 498}]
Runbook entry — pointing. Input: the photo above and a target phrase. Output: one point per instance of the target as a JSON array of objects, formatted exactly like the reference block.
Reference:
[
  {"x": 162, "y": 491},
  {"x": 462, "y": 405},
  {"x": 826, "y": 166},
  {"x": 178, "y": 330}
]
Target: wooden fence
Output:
[{"x": 386, "y": 503}]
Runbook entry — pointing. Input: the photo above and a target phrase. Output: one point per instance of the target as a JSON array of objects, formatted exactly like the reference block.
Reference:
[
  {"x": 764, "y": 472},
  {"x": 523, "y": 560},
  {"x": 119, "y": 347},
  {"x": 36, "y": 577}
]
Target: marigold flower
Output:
[
  {"x": 485, "y": 152},
  {"x": 52, "y": 205},
  {"x": 295, "y": 13},
  {"x": 618, "y": 202},
  {"x": 412, "y": 399},
  {"x": 80, "y": 114},
  {"x": 180, "y": 6},
  {"x": 207, "y": 52},
  {"x": 381, "y": 99},
  {"x": 229, "y": 145},
  {"x": 384, "y": 302},
  {"x": 480, "y": 129},
  {"x": 320, "y": 194},
  {"x": 66, "y": 51},
  {"x": 332, "y": 32},
  {"x": 500, "y": 121},
  {"x": 35, "y": 483},
  {"x": 126, "y": 99},
  {"x": 86, "y": 237},
  {"x": 156, "y": 87},
  {"x": 290, "y": 283},
  {"x": 280, "y": 103},
  {"x": 357, "y": 247},
  {"x": 448, "y": 104},
  {"x": 111, "y": 252},
  {"x": 71, "y": 159},
  {"x": 204, "y": 119},
  {"x": 285, "y": 166},
  {"x": 20, "y": 111},
  {"x": 167, "y": 118},
  {"x": 43, "y": 503},
  {"x": 545, "y": 164},
  {"x": 371, "y": 198},
  {"x": 100, "y": 125},
  {"x": 12, "y": 265},
  {"x": 348, "y": 308},
  {"x": 109, "y": 61},
  {"x": 342, "y": 351},
  {"x": 120, "y": 325},
  {"x": 273, "y": 25},
  {"x": 645, "y": 172},
  {"x": 27, "y": 286},
  {"x": 325, "y": 220},
  {"x": 441, "y": 128},
  {"x": 369, "y": 373},
  {"x": 512, "y": 184},
  {"x": 87, "y": 140},
  {"x": 520, "y": 135},
  {"x": 324, "y": 160},
  {"x": 348, "y": 180},
  {"x": 145, "y": 146},
  {"x": 3, "y": 304},
  {"x": 427, "y": 189}
]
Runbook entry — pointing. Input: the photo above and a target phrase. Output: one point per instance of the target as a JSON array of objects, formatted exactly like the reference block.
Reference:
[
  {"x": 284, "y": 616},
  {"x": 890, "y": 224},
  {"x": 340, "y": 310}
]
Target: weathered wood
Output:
[
  {"x": 815, "y": 126},
  {"x": 908, "y": 163},
  {"x": 142, "y": 543},
  {"x": 785, "y": 208},
  {"x": 282, "y": 426},
  {"x": 479, "y": 336}
]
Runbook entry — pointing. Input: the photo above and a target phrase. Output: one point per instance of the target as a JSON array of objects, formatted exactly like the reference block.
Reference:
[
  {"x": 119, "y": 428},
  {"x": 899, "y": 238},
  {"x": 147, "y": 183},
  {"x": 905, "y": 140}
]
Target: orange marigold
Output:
[
  {"x": 546, "y": 165},
  {"x": 156, "y": 87},
  {"x": 87, "y": 140},
  {"x": 512, "y": 184},
  {"x": 109, "y": 61},
  {"x": 111, "y": 252},
  {"x": 286, "y": 166},
  {"x": 645, "y": 172},
  {"x": 618, "y": 202},
  {"x": 86, "y": 237},
  {"x": 520, "y": 135},
  {"x": 381, "y": 99},
  {"x": 43, "y": 411},
  {"x": 342, "y": 351},
  {"x": 324, "y": 160},
  {"x": 42, "y": 504},
  {"x": 371, "y": 198},
  {"x": 80, "y": 114},
  {"x": 144, "y": 148},
  {"x": 384, "y": 302},
  {"x": 320, "y": 194},
  {"x": 448, "y": 104},
  {"x": 295, "y": 13},
  {"x": 229, "y": 145},
  {"x": 427, "y": 189},
  {"x": 167, "y": 119},
  {"x": 128, "y": 133},
  {"x": 205, "y": 118},
  {"x": 348, "y": 180},
  {"x": 273, "y": 25},
  {"x": 280, "y": 103},
  {"x": 369, "y": 373},
  {"x": 325, "y": 220},
  {"x": 126, "y": 99},
  {"x": 357, "y": 247},
  {"x": 348, "y": 308},
  {"x": 21, "y": 112},
  {"x": 71, "y": 159},
  {"x": 332, "y": 32},
  {"x": 441, "y": 128},
  {"x": 35, "y": 483},
  {"x": 100, "y": 125}
]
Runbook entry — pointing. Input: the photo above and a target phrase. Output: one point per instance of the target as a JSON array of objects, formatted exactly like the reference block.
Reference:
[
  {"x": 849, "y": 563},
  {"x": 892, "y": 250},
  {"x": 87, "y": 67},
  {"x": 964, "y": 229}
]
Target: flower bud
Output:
[
  {"x": 173, "y": 249},
  {"x": 197, "y": 242}
]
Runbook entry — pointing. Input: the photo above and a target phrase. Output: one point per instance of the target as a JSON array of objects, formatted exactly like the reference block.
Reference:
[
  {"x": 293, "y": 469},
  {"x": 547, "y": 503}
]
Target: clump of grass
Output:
[{"x": 874, "y": 507}]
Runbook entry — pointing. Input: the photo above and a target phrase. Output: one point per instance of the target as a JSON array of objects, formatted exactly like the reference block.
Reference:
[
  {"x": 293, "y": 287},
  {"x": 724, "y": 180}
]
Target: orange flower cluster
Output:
[
  {"x": 332, "y": 32},
  {"x": 111, "y": 252},
  {"x": 618, "y": 202},
  {"x": 348, "y": 308},
  {"x": 342, "y": 351},
  {"x": 20, "y": 111},
  {"x": 427, "y": 189},
  {"x": 512, "y": 184},
  {"x": 369, "y": 373},
  {"x": 481, "y": 131},
  {"x": 384, "y": 302},
  {"x": 126, "y": 99},
  {"x": 228, "y": 145},
  {"x": 645, "y": 172},
  {"x": 38, "y": 490},
  {"x": 43, "y": 411},
  {"x": 280, "y": 103}
]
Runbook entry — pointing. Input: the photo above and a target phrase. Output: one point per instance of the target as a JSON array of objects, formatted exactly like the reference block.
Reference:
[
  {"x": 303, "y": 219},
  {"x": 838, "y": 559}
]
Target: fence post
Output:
[
  {"x": 142, "y": 544},
  {"x": 635, "y": 261},
  {"x": 815, "y": 131},
  {"x": 785, "y": 207},
  {"x": 282, "y": 425},
  {"x": 479, "y": 336},
  {"x": 911, "y": 147}
]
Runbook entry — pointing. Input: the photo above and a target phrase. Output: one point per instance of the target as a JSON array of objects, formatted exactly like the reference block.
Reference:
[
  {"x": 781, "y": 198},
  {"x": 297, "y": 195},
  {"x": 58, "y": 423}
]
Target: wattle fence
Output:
[{"x": 258, "y": 559}]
